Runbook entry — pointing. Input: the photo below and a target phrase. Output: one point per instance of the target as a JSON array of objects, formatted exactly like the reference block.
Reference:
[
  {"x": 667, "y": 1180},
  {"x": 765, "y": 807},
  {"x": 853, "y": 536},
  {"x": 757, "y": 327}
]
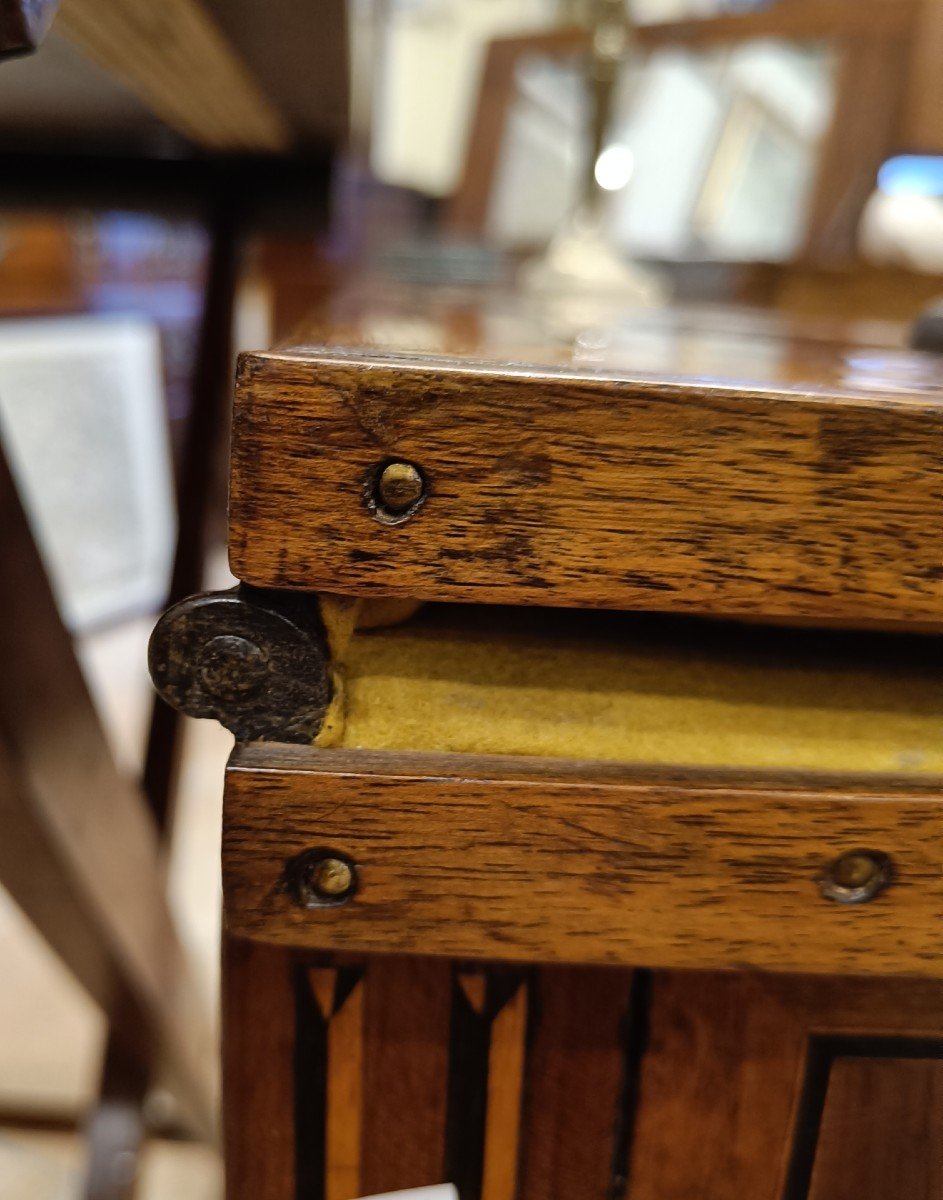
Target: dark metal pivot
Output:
[
  {"x": 255, "y": 660},
  {"x": 926, "y": 333}
]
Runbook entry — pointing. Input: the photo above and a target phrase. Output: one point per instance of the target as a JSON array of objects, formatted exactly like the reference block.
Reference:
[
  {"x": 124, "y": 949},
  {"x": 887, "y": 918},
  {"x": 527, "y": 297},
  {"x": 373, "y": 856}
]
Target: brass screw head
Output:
[
  {"x": 332, "y": 877},
  {"x": 399, "y": 486},
  {"x": 325, "y": 879},
  {"x": 856, "y": 877}
]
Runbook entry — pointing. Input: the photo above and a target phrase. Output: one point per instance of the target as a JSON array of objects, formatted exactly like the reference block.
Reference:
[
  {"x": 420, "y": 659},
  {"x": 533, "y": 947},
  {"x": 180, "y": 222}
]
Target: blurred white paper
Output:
[
  {"x": 83, "y": 425},
  {"x": 436, "y": 1191}
]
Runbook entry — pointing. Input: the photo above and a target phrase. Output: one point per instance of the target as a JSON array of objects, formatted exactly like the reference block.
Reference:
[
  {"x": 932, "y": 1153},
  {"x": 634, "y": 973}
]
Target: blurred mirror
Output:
[{"x": 710, "y": 153}]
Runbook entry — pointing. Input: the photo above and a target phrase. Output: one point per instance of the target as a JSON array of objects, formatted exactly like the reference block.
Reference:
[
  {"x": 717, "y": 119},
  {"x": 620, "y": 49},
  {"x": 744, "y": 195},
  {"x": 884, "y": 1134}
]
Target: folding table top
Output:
[{"x": 718, "y": 461}]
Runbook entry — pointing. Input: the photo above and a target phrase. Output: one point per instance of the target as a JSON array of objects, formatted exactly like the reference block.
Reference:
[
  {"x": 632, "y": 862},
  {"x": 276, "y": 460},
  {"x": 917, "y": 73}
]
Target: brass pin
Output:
[
  {"x": 856, "y": 877},
  {"x": 331, "y": 878},
  {"x": 399, "y": 486}
]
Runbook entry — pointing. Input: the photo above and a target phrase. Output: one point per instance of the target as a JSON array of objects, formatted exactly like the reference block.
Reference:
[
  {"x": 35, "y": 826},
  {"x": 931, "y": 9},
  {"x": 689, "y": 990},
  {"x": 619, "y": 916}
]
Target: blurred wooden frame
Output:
[
  {"x": 889, "y": 99},
  {"x": 83, "y": 850},
  {"x": 173, "y": 56},
  {"x": 24, "y": 24},
  {"x": 80, "y": 852}
]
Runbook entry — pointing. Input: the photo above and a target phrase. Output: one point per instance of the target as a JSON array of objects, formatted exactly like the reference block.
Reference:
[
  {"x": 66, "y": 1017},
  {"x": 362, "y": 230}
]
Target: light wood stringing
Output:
[{"x": 506, "y": 1057}]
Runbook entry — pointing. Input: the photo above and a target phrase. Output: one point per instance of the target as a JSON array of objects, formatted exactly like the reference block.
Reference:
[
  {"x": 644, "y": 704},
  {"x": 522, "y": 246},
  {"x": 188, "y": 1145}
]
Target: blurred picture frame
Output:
[
  {"x": 754, "y": 194},
  {"x": 874, "y": 45}
]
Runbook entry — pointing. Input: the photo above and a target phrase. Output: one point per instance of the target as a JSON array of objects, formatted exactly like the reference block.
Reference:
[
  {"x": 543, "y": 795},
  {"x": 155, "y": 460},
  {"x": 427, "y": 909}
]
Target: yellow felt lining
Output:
[
  {"x": 638, "y": 688},
  {"x": 341, "y": 616}
]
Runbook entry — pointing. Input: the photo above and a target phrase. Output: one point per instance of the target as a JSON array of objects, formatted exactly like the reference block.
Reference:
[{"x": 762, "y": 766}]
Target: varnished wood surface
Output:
[
  {"x": 882, "y": 1129},
  {"x": 739, "y": 1071},
  {"x": 830, "y": 346},
  {"x": 664, "y": 463},
  {"x": 405, "y": 1081},
  {"x": 259, "y": 1051},
  {"x": 526, "y": 860},
  {"x": 661, "y": 1086},
  {"x": 576, "y": 1095}
]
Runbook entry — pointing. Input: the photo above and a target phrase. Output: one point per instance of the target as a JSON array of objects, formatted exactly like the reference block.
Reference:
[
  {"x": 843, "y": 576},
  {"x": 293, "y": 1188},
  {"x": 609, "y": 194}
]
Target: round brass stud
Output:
[
  {"x": 331, "y": 877},
  {"x": 399, "y": 487},
  {"x": 321, "y": 878},
  {"x": 856, "y": 877}
]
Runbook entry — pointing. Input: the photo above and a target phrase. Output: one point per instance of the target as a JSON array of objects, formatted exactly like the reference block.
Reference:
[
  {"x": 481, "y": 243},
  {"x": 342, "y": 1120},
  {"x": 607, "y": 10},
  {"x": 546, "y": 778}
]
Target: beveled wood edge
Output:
[
  {"x": 285, "y": 758},
  {"x": 317, "y": 357}
]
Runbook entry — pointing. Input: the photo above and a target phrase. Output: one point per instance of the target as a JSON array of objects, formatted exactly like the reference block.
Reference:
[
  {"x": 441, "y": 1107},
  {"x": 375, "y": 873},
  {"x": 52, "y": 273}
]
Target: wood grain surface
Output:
[
  {"x": 739, "y": 1094},
  {"x": 405, "y": 1056},
  {"x": 343, "y": 1133},
  {"x": 882, "y": 1129},
  {"x": 576, "y": 1068},
  {"x": 335, "y": 1073},
  {"x": 710, "y": 1085},
  {"x": 258, "y": 1023},
  {"x": 534, "y": 860},
  {"x": 818, "y": 496}
]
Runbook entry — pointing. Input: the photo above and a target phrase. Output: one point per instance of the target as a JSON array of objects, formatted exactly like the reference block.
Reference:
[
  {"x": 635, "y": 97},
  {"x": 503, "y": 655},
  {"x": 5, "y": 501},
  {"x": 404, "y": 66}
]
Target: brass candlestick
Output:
[{"x": 580, "y": 269}]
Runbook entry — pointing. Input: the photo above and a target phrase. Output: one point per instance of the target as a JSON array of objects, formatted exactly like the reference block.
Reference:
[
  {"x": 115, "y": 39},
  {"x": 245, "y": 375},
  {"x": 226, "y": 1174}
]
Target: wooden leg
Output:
[
  {"x": 79, "y": 850},
  {"x": 197, "y": 497},
  {"x": 115, "y": 1131},
  {"x": 200, "y": 494}
]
